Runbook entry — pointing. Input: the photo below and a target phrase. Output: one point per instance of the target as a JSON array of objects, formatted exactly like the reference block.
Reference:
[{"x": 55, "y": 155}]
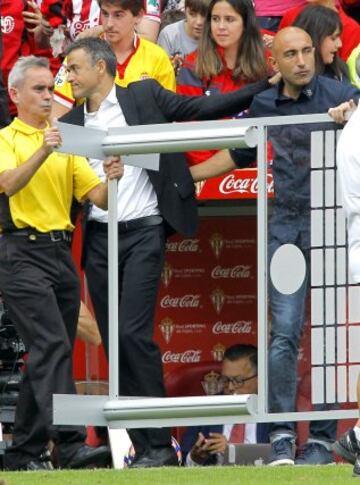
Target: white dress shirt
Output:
[{"x": 136, "y": 194}]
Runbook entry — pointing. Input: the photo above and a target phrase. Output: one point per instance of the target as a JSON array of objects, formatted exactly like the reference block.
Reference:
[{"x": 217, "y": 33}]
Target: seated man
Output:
[{"x": 206, "y": 445}]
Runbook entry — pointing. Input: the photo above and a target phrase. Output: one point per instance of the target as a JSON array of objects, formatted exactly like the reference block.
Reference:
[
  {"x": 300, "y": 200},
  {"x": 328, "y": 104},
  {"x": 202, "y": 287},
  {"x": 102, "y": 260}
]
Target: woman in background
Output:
[
  {"x": 324, "y": 27},
  {"x": 230, "y": 55}
]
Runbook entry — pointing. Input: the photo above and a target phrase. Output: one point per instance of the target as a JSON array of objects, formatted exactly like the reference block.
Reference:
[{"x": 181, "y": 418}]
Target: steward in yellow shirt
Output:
[{"x": 38, "y": 279}]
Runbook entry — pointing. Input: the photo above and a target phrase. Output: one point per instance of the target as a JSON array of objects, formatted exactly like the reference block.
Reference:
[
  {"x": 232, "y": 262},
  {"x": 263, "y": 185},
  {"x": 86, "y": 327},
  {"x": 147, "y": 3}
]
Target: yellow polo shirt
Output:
[
  {"x": 45, "y": 202},
  {"x": 148, "y": 61}
]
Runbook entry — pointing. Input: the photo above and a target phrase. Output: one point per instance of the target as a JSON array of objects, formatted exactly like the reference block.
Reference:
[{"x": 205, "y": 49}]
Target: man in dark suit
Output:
[
  {"x": 206, "y": 445},
  {"x": 151, "y": 205}
]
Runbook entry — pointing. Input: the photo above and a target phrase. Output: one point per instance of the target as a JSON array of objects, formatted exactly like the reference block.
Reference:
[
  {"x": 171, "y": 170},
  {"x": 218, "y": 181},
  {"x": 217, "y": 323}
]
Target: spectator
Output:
[
  {"x": 181, "y": 38},
  {"x": 137, "y": 58},
  {"x": 13, "y": 38},
  {"x": 205, "y": 445},
  {"x": 324, "y": 27},
  {"x": 37, "y": 187},
  {"x": 151, "y": 205},
  {"x": 149, "y": 25},
  {"x": 230, "y": 55},
  {"x": 350, "y": 36},
  {"x": 299, "y": 92}
]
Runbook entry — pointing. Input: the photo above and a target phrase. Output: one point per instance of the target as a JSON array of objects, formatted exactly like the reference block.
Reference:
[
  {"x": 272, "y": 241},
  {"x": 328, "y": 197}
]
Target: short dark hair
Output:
[
  {"x": 198, "y": 6},
  {"x": 97, "y": 49},
  {"x": 135, "y": 6},
  {"x": 242, "y": 351}
]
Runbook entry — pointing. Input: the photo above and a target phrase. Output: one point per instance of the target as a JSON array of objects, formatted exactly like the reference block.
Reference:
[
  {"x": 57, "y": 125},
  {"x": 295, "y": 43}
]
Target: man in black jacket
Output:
[{"x": 150, "y": 206}]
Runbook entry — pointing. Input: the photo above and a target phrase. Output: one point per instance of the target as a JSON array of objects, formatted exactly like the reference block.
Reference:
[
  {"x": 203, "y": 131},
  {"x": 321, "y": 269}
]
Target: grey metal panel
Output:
[
  {"x": 317, "y": 267},
  {"x": 74, "y": 409},
  {"x": 330, "y": 345},
  {"x": 330, "y": 306},
  {"x": 316, "y": 230},
  {"x": 317, "y": 150},
  {"x": 341, "y": 267},
  {"x": 329, "y": 266},
  {"x": 317, "y": 306},
  {"x": 330, "y": 385},
  {"x": 329, "y": 227},
  {"x": 340, "y": 227},
  {"x": 329, "y": 188},
  {"x": 317, "y": 190},
  {"x": 317, "y": 344},
  {"x": 330, "y": 148},
  {"x": 342, "y": 391}
]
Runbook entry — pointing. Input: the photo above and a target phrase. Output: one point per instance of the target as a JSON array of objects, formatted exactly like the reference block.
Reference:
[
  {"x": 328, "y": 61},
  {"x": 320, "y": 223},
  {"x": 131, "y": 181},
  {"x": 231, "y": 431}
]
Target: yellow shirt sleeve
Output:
[
  {"x": 85, "y": 179},
  {"x": 7, "y": 152}
]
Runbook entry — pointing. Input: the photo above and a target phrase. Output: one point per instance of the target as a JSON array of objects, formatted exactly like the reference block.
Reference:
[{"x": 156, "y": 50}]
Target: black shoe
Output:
[
  {"x": 35, "y": 465},
  {"x": 347, "y": 446},
  {"x": 88, "y": 457},
  {"x": 156, "y": 457}
]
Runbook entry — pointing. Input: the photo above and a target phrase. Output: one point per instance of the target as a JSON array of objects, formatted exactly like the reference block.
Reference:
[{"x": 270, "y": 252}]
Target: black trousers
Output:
[
  {"x": 40, "y": 286},
  {"x": 141, "y": 258}
]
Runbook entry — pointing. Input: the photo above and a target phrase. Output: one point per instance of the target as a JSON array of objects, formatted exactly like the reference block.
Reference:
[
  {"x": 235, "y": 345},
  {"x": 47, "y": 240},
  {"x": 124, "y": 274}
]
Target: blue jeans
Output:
[{"x": 287, "y": 321}]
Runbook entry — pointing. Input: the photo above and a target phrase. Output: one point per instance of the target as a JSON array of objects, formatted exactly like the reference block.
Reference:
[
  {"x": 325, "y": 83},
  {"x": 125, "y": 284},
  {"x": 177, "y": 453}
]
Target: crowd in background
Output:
[{"x": 46, "y": 27}]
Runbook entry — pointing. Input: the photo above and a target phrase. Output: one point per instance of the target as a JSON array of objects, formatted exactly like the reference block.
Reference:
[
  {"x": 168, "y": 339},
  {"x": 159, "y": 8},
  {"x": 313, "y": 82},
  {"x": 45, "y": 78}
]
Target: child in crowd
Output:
[{"x": 181, "y": 38}]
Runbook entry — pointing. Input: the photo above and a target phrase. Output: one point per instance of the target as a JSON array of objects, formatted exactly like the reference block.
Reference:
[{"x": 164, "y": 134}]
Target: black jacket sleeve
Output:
[{"x": 176, "y": 107}]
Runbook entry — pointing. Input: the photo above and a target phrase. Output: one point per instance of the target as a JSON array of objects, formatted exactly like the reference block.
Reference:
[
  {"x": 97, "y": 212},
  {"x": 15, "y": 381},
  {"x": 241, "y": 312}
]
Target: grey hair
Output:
[
  {"x": 17, "y": 73},
  {"x": 97, "y": 49}
]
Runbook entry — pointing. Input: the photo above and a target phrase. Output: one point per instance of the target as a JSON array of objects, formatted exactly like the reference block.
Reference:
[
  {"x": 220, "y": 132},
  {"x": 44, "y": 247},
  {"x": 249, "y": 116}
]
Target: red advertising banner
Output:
[
  {"x": 207, "y": 299},
  {"x": 238, "y": 184}
]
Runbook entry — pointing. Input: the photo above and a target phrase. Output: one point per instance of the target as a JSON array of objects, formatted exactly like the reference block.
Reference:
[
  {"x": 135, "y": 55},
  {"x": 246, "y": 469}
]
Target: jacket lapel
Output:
[
  {"x": 128, "y": 106},
  {"x": 75, "y": 116}
]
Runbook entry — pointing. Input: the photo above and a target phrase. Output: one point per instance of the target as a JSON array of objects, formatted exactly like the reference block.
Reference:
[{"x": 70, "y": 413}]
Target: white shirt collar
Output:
[{"x": 110, "y": 99}]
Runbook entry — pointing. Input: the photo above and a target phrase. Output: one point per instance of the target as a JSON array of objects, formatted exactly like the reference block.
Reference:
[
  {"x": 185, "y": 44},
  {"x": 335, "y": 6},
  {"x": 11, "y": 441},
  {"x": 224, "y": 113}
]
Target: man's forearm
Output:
[
  {"x": 218, "y": 164},
  {"x": 13, "y": 180},
  {"x": 99, "y": 196}
]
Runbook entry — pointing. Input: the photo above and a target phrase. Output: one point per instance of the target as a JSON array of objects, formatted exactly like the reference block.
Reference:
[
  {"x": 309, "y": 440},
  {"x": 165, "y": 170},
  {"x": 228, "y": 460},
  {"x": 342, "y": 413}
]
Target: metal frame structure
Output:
[{"x": 138, "y": 412}]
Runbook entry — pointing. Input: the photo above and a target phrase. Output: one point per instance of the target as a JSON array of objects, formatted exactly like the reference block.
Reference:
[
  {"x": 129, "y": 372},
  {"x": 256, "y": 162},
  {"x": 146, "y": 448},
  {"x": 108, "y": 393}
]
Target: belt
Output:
[
  {"x": 33, "y": 235},
  {"x": 127, "y": 226}
]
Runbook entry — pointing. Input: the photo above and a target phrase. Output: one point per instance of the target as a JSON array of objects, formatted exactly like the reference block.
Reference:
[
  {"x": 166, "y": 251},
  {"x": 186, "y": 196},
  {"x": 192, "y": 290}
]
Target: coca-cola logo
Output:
[
  {"x": 232, "y": 184},
  {"x": 184, "y": 246},
  {"x": 241, "y": 326},
  {"x": 187, "y": 357},
  {"x": 7, "y": 24},
  {"x": 186, "y": 301},
  {"x": 238, "y": 271}
]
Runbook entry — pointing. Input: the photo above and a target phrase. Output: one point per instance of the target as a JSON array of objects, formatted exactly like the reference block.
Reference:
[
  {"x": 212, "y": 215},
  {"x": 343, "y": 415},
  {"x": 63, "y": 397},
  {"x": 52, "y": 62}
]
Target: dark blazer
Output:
[
  {"x": 190, "y": 436},
  {"x": 146, "y": 102}
]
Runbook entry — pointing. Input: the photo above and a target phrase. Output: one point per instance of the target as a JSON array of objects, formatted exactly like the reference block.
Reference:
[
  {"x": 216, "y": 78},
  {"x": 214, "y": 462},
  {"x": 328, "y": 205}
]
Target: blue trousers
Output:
[{"x": 287, "y": 321}]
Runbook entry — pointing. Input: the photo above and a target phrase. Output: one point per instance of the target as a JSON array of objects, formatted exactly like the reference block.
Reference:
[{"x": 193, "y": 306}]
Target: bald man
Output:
[{"x": 299, "y": 92}]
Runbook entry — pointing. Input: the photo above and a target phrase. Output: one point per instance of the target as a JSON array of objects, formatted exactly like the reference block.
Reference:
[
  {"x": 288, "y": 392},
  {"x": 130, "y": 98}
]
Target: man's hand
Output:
[
  {"x": 340, "y": 114},
  {"x": 198, "y": 452},
  {"x": 113, "y": 167},
  {"x": 52, "y": 139},
  {"x": 204, "y": 447},
  {"x": 95, "y": 31},
  {"x": 33, "y": 17},
  {"x": 216, "y": 443}
]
